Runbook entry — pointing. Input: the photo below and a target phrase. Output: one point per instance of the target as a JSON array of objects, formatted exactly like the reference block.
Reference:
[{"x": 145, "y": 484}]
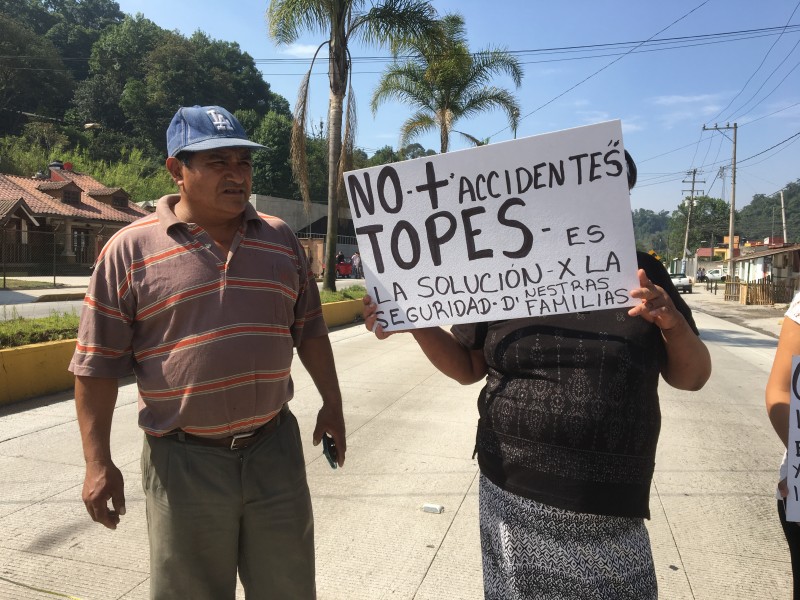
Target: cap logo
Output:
[{"x": 220, "y": 121}]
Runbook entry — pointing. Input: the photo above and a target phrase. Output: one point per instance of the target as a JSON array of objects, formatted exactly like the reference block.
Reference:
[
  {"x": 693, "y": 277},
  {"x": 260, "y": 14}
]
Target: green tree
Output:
[
  {"x": 763, "y": 216},
  {"x": 97, "y": 100},
  {"x": 360, "y": 159},
  {"x": 415, "y": 150},
  {"x": 272, "y": 169},
  {"x": 32, "y": 13},
  {"x": 650, "y": 230},
  {"x": 383, "y": 156},
  {"x": 446, "y": 83},
  {"x": 229, "y": 77},
  {"x": 92, "y": 14},
  {"x": 120, "y": 50},
  {"x": 343, "y": 22},
  {"x": 24, "y": 57}
]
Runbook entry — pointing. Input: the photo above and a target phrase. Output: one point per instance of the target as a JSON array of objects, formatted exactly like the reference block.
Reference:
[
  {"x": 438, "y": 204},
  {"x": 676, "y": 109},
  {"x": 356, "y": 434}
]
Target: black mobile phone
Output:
[{"x": 329, "y": 450}]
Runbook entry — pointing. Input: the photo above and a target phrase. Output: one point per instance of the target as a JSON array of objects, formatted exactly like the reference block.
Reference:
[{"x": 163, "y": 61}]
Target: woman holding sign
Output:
[
  {"x": 566, "y": 441},
  {"x": 777, "y": 397}
]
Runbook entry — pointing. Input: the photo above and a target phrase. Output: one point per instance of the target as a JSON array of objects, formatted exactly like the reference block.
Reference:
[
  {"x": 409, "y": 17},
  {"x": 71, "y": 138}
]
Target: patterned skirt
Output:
[{"x": 532, "y": 551}]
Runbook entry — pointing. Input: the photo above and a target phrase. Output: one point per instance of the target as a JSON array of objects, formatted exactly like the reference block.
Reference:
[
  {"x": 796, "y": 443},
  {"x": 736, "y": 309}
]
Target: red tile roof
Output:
[
  {"x": 42, "y": 204},
  {"x": 9, "y": 207}
]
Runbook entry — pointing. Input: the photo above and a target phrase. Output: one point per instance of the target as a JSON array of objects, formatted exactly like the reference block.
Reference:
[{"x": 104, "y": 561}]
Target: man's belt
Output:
[{"x": 240, "y": 441}]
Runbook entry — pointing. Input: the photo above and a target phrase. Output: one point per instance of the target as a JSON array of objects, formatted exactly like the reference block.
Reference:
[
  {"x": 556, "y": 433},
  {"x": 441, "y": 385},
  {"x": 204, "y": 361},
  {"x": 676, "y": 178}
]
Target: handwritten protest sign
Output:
[
  {"x": 536, "y": 226},
  {"x": 793, "y": 454}
]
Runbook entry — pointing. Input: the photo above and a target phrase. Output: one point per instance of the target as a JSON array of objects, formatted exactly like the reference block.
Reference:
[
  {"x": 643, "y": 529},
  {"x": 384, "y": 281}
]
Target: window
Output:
[
  {"x": 119, "y": 201},
  {"x": 71, "y": 197}
]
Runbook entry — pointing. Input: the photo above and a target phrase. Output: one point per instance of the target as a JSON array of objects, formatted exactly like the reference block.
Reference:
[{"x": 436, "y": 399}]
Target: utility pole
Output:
[
  {"x": 693, "y": 173},
  {"x": 722, "y": 129},
  {"x": 783, "y": 217}
]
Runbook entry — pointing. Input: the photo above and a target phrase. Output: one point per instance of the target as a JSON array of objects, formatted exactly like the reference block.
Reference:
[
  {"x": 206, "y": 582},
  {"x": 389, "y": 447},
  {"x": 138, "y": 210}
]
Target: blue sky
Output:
[{"x": 664, "y": 93}]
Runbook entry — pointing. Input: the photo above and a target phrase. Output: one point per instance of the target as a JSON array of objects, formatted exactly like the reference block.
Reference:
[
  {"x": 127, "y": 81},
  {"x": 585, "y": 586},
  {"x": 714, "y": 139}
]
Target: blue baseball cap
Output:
[{"x": 197, "y": 128}]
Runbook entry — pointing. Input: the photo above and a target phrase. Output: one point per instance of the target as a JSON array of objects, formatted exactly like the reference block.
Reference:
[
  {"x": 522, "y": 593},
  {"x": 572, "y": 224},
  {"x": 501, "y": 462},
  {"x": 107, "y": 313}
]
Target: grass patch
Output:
[
  {"x": 19, "y": 331},
  {"x": 354, "y": 292},
  {"x": 24, "y": 284}
]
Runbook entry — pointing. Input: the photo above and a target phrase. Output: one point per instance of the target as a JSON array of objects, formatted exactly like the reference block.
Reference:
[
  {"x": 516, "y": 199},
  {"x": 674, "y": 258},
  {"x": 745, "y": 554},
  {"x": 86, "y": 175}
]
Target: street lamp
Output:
[{"x": 515, "y": 118}]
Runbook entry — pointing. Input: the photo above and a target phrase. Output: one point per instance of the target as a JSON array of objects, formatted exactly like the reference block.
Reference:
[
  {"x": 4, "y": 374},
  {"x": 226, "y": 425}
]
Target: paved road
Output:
[{"x": 410, "y": 437}]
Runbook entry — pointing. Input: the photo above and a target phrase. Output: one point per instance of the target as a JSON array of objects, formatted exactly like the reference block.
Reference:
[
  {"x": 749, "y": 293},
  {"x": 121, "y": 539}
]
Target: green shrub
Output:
[
  {"x": 19, "y": 331},
  {"x": 351, "y": 293}
]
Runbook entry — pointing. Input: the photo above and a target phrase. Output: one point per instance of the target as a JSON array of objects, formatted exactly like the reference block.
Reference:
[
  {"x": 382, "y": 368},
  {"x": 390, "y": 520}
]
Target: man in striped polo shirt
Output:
[{"x": 204, "y": 301}]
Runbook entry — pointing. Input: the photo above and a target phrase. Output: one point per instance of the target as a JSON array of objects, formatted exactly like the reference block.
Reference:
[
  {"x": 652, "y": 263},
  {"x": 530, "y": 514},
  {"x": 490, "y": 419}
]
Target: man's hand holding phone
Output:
[{"x": 329, "y": 450}]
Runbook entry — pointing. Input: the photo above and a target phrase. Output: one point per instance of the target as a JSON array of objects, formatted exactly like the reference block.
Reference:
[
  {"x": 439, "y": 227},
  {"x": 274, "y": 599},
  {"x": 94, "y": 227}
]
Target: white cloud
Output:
[
  {"x": 687, "y": 108},
  {"x": 299, "y": 50},
  {"x": 677, "y": 99},
  {"x": 593, "y": 116},
  {"x": 632, "y": 125}
]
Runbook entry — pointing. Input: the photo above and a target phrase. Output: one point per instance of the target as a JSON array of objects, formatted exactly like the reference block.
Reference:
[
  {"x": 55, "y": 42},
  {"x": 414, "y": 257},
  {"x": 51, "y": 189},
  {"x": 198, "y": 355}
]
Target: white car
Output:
[
  {"x": 716, "y": 275},
  {"x": 681, "y": 282}
]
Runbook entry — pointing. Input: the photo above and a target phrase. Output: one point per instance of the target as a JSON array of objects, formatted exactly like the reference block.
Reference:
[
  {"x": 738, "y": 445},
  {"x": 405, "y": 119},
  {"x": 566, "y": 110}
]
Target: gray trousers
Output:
[{"x": 212, "y": 512}]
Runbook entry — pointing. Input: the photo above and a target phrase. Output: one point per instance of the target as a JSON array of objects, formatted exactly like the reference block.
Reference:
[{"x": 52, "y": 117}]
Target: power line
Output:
[
  {"x": 763, "y": 60},
  {"x": 771, "y": 147},
  {"x": 672, "y": 42},
  {"x": 616, "y": 60}
]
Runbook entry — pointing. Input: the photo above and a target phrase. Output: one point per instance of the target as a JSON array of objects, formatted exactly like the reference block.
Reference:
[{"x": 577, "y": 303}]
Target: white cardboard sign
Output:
[
  {"x": 793, "y": 452},
  {"x": 536, "y": 226}
]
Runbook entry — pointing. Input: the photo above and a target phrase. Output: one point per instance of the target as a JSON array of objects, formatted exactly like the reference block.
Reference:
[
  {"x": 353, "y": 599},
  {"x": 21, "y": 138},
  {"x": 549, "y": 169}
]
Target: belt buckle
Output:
[{"x": 240, "y": 436}]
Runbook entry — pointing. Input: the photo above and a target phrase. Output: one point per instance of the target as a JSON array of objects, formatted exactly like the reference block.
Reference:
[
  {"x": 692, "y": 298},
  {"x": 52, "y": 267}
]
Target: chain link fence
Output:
[{"x": 48, "y": 254}]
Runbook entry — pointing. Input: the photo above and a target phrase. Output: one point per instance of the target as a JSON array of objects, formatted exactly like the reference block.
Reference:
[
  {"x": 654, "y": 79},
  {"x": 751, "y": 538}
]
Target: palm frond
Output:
[
  {"x": 286, "y": 19},
  {"x": 348, "y": 144},
  {"x": 396, "y": 22},
  {"x": 471, "y": 138},
  {"x": 416, "y": 125},
  {"x": 297, "y": 151}
]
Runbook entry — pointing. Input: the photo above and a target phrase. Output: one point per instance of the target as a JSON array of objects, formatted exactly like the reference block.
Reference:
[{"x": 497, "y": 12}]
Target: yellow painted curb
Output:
[
  {"x": 35, "y": 370},
  {"x": 341, "y": 313},
  {"x": 39, "y": 369}
]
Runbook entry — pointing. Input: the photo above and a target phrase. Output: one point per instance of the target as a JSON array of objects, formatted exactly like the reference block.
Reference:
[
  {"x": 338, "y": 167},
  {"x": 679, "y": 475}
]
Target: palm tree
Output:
[
  {"x": 447, "y": 83},
  {"x": 387, "y": 22}
]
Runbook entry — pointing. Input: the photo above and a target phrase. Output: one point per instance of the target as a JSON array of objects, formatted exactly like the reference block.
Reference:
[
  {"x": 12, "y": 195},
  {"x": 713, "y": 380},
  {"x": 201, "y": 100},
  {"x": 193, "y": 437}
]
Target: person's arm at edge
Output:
[
  {"x": 688, "y": 364},
  {"x": 95, "y": 398},
  {"x": 440, "y": 347},
  {"x": 316, "y": 355},
  {"x": 777, "y": 394}
]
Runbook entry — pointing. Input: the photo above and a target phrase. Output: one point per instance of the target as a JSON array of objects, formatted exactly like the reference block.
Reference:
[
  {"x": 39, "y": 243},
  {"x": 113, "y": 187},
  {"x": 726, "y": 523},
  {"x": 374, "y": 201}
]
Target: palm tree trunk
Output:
[{"x": 335, "y": 107}]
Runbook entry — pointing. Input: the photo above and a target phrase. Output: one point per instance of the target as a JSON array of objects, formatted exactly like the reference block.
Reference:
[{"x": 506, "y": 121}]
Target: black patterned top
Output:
[{"x": 569, "y": 415}]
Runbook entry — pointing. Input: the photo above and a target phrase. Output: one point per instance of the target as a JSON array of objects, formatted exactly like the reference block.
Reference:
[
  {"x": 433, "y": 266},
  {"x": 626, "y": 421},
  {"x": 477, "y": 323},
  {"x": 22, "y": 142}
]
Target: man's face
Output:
[{"x": 217, "y": 183}]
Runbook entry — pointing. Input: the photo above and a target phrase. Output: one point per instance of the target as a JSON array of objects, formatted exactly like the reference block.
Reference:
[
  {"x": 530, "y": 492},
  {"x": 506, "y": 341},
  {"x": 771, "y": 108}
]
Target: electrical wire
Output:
[
  {"x": 600, "y": 70},
  {"x": 753, "y": 74}
]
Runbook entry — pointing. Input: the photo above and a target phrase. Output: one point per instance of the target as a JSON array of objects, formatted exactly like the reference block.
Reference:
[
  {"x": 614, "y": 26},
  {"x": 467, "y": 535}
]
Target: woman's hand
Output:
[
  {"x": 656, "y": 305},
  {"x": 370, "y": 314}
]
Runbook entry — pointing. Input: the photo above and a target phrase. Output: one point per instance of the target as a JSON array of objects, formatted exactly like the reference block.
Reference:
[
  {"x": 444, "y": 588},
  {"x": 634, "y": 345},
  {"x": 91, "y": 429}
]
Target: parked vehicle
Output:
[
  {"x": 717, "y": 275},
  {"x": 681, "y": 282},
  {"x": 344, "y": 269}
]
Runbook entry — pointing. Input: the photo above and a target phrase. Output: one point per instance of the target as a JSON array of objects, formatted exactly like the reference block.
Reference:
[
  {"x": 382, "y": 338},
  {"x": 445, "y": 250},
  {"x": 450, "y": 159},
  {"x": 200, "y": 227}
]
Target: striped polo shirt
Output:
[{"x": 208, "y": 336}]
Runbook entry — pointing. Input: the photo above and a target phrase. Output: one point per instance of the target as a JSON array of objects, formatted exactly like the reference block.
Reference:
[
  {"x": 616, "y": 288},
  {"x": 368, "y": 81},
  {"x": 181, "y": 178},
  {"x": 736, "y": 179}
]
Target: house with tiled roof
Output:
[{"x": 63, "y": 217}]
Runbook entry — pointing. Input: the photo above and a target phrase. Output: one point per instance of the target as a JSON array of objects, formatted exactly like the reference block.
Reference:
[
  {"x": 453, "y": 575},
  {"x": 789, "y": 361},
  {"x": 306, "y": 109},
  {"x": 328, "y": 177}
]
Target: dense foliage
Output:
[
  {"x": 761, "y": 218},
  {"x": 82, "y": 82}
]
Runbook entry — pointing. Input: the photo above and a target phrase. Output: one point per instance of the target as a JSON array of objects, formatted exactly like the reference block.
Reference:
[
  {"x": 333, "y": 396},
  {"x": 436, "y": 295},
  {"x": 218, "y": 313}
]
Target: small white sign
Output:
[
  {"x": 793, "y": 454},
  {"x": 536, "y": 226}
]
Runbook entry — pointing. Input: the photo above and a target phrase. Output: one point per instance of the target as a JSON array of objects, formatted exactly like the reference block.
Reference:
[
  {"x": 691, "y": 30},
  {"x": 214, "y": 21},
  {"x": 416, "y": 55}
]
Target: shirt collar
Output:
[{"x": 165, "y": 211}]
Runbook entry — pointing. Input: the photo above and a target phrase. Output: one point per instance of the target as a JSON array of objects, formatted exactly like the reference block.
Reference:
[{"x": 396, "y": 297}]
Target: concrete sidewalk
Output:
[{"x": 411, "y": 433}]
